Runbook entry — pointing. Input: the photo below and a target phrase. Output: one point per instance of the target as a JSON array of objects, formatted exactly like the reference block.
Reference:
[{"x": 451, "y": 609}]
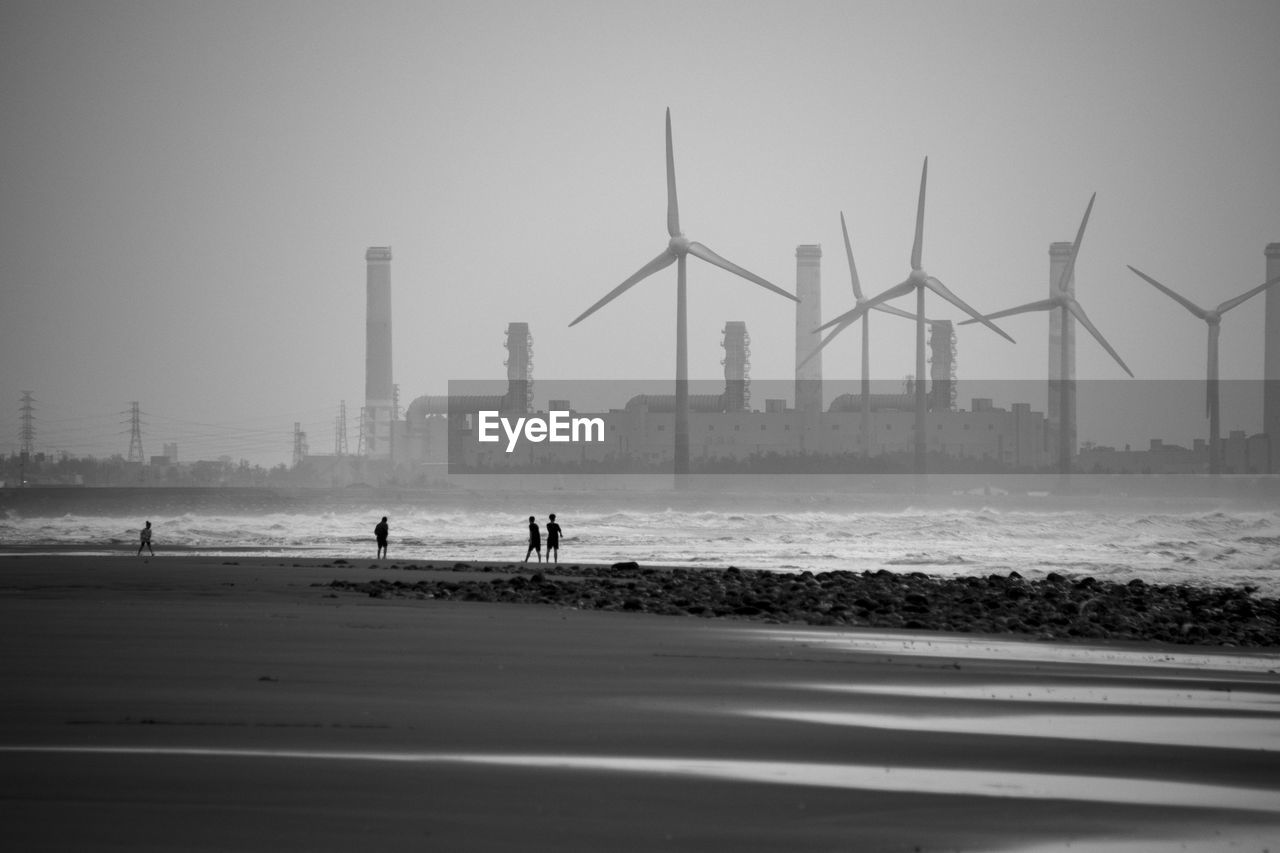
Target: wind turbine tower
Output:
[
  {"x": 1061, "y": 301},
  {"x": 1062, "y": 355},
  {"x": 677, "y": 251},
  {"x": 918, "y": 280},
  {"x": 808, "y": 318},
  {"x": 1212, "y": 318}
]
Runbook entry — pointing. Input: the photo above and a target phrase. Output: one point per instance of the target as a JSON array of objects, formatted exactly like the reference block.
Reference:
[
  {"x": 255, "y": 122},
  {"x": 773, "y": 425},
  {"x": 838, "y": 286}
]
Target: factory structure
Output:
[
  {"x": 436, "y": 434},
  {"x": 730, "y": 425}
]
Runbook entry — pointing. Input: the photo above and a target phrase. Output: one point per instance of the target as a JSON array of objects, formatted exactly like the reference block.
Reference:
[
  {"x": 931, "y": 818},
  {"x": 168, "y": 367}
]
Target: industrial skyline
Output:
[{"x": 189, "y": 188}]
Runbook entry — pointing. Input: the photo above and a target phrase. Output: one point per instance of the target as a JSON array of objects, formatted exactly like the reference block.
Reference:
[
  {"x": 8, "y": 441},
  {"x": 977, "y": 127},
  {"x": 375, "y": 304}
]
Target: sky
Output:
[{"x": 189, "y": 189}]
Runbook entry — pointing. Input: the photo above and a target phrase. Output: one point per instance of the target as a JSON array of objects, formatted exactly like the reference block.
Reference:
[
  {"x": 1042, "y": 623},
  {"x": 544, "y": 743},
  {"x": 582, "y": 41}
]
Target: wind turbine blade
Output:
[
  {"x": 673, "y": 205},
  {"x": 892, "y": 293},
  {"x": 837, "y": 330},
  {"x": 1078, "y": 312},
  {"x": 917, "y": 249},
  {"x": 942, "y": 290},
  {"x": 853, "y": 268},
  {"x": 1181, "y": 300},
  {"x": 1042, "y": 305},
  {"x": 898, "y": 312},
  {"x": 663, "y": 261},
  {"x": 701, "y": 251},
  {"x": 1070, "y": 266},
  {"x": 1232, "y": 303}
]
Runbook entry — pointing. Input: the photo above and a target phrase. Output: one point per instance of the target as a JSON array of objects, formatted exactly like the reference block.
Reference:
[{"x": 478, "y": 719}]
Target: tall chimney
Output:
[
  {"x": 942, "y": 366},
  {"x": 1271, "y": 359},
  {"x": 737, "y": 364},
  {"x": 808, "y": 318},
  {"x": 378, "y": 391},
  {"x": 1059, "y": 254},
  {"x": 519, "y": 368}
]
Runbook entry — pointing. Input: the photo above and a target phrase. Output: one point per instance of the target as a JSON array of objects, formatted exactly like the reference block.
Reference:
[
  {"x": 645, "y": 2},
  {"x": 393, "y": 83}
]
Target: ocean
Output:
[{"x": 1195, "y": 541}]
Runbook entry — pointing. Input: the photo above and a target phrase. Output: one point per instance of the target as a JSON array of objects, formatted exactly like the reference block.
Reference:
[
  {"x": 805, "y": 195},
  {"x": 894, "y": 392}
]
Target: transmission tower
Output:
[
  {"x": 135, "y": 434},
  {"x": 27, "y": 432},
  {"x": 362, "y": 443},
  {"x": 340, "y": 431}
]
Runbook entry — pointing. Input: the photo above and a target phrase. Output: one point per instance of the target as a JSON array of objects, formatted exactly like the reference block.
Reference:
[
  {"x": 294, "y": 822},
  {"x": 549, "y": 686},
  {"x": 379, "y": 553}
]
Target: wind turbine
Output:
[
  {"x": 1060, "y": 299},
  {"x": 679, "y": 247},
  {"x": 858, "y": 299},
  {"x": 919, "y": 281},
  {"x": 1214, "y": 320}
]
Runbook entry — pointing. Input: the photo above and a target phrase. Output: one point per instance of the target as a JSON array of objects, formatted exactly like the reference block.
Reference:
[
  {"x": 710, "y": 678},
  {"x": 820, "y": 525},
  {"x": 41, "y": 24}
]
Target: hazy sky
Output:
[{"x": 189, "y": 189}]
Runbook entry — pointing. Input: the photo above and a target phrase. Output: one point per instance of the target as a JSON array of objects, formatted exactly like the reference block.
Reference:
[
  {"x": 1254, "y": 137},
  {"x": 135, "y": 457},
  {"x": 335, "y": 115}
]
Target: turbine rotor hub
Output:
[{"x": 679, "y": 245}]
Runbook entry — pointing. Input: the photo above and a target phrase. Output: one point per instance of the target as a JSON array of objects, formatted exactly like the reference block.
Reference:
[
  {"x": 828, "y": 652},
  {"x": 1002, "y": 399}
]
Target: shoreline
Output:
[
  {"x": 174, "y": 703},
  {"x": 1055, "y": 608}
]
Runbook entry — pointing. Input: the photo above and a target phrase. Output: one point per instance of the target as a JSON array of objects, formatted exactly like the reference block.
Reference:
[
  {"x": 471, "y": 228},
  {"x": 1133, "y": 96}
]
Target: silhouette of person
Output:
[
  {"x": 381, "y": 532},
  {"x": 553, "y": 538},
  {"x": 535, "y": 540},
  {"x": 145, "y": 537}
]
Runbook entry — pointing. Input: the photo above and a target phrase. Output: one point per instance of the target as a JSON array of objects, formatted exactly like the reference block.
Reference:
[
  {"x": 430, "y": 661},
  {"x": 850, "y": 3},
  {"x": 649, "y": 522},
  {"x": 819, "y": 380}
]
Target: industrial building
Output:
[{"x": 438, "y": 432}]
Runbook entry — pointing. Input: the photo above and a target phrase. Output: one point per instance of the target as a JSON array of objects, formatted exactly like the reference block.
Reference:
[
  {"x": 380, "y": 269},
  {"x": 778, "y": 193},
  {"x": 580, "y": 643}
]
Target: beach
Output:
[{"x": 249, "y": 703}]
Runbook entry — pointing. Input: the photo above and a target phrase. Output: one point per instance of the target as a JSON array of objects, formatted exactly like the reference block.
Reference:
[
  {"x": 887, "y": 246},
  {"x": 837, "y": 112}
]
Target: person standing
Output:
[
  {"x": 381, "y": 532},
  {"x": 535, "y": 540},
  {"x": 553, "y": 538},
  {"x": 145, "y": 536}
]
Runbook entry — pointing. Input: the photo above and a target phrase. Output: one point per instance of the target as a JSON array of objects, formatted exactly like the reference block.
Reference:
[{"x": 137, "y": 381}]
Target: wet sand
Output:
[{"x": 185, "y": 703}]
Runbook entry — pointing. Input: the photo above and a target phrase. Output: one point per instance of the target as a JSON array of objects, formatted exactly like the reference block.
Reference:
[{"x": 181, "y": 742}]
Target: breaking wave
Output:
[{"x": 1219, "y": 548}]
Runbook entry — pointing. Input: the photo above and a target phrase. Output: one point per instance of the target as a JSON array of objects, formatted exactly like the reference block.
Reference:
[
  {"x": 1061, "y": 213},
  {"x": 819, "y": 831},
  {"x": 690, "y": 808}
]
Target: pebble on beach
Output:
[{"x": 1054, "y": 608}]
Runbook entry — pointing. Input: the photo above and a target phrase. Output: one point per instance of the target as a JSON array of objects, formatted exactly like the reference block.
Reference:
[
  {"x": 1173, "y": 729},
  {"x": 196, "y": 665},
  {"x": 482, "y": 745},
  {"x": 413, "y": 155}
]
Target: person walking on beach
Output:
[
  {"x": 535, "y": 540},
  {"x": 553, "y": 538},
  {"x": 381, "y": 532},
  {"x": 145, "y": 536}
]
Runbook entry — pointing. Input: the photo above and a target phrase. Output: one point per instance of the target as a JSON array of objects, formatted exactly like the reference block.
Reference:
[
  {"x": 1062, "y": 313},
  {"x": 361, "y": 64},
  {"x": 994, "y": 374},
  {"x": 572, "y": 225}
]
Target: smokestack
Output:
[
  {"x": 519, "y": 368},
  {"x": 942, "y": 366},
  {"x": 808, "y": 318},
  {"x": 737, "y": 363},
  {"x": 1059, "y": 336},
  {"x": 1271, "y": 359},
  {"x": 378, "y": 391}
]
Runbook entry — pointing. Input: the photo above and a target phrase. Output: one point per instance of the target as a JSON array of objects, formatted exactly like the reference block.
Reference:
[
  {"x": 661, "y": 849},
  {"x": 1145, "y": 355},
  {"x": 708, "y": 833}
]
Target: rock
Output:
[
  {"x": 1049, "y": 609},
  {"x": 629, "y": 565}
]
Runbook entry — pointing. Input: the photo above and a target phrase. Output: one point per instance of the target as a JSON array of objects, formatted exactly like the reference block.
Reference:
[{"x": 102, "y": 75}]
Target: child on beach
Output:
[
  {"x": 145, "y": 535},
  {"x": 381, "y": 532},
  {"x": 535, "y": 540},
  {"x": 553, "y": 538}
]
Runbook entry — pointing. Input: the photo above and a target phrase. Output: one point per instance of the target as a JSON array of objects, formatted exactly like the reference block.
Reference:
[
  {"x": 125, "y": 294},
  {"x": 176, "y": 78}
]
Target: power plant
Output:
[
  {"x": 663, "y": 428},
  {"x": 724, "y": 427}
]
